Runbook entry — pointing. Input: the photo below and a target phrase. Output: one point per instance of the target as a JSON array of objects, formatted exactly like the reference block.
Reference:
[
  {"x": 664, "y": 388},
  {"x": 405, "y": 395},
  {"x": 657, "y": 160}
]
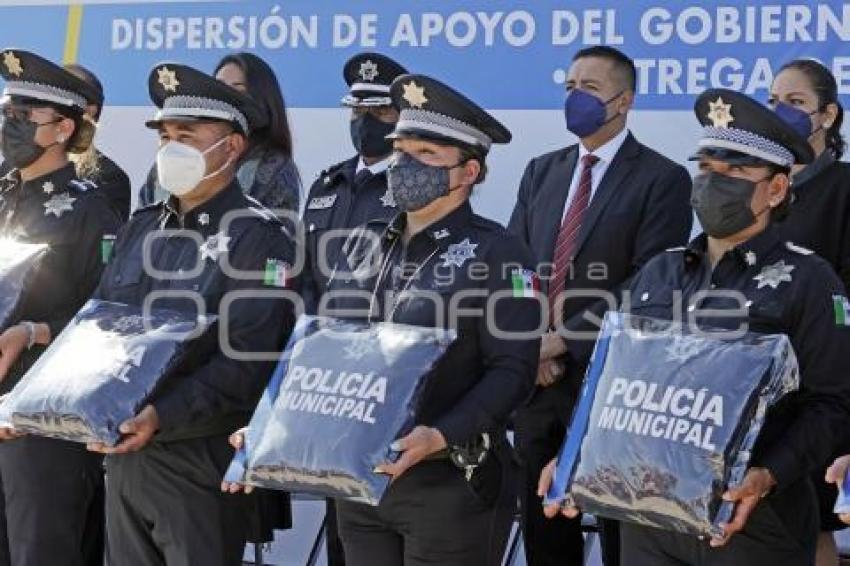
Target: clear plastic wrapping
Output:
[
  {"x": 666, "y": 421},
  {"x": 101, "y": 370},
  {"x": 341, "y": 394}
]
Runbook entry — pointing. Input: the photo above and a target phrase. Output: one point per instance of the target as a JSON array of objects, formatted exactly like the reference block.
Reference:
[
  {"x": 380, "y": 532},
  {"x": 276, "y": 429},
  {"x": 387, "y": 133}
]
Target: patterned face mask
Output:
[{"x": 414, "y": 184}]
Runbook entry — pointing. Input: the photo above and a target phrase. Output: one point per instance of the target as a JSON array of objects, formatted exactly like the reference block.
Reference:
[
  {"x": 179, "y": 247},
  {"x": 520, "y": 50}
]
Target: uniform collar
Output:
[
  {"x": 442, "y": 232},
  {"x": 813, "y": 169},
  {"x": 50, "y": 184},
  {"x": 751, "y": 253},
  {"x": 376, "y": 168},
  {"x": 207, "y": 216}
]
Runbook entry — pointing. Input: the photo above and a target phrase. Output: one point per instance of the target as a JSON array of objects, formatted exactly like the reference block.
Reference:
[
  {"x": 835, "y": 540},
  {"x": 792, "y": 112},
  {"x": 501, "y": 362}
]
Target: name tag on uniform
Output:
[{"x": 319, "y": 203}]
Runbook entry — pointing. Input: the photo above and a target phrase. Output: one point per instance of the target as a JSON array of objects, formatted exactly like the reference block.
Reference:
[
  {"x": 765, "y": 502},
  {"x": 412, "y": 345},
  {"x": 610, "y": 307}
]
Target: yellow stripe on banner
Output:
[{"x": 72, "y": 33}]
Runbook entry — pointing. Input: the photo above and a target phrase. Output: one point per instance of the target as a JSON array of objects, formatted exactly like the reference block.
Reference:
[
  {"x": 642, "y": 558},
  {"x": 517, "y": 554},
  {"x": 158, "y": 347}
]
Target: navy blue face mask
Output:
[
  {"x": 799, "y": 120},
  {"x": 585, "y": 113}
]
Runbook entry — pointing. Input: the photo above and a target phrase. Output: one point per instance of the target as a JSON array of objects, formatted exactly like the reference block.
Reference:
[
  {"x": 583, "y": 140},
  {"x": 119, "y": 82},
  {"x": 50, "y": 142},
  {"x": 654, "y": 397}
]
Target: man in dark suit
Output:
[{"x": 592, "y": 213}]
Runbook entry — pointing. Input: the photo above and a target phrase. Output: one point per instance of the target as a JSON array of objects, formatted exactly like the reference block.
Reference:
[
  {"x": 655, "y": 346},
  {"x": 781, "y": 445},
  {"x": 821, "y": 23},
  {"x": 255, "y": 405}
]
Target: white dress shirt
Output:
[
  {"x": 605, "y": 153},
  {"x": 375, "y": 168}
]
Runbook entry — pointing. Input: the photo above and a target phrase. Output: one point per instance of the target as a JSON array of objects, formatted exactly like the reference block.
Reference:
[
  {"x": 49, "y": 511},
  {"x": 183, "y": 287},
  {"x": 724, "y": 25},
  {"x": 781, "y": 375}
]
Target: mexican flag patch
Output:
[
  {"x": 841, "y": 308},
  {"x": 525, "y": 282},
  {"x": 106, "y": 245},
  {"x": 275, "y": 274}
]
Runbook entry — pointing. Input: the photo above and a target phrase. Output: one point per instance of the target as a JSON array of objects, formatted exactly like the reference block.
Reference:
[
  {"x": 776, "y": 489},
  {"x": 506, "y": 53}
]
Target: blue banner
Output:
[{"x": 507, "y": 55}]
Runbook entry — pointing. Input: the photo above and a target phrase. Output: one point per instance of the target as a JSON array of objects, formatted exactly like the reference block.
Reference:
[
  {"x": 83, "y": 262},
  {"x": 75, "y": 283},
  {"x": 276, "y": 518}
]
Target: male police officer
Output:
[
  {"x": 355, "y": 191},
  {"x": 352, "y": 192},
  {"x": 202, "y": 248},
  {"x": 48, "y": 486}
]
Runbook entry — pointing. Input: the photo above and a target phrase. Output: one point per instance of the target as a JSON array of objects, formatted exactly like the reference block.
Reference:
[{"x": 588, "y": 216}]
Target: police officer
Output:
[
  {"x": 48, "y": 486},
  {"x": 95, "y": 165},
  {"x": 439, "y": 264},
  {"x": 350, "y": 193},
  {"x": 205, "y": 246},
  {"x": 355, "y": 191},
  {"x": 745, "y": 158}
]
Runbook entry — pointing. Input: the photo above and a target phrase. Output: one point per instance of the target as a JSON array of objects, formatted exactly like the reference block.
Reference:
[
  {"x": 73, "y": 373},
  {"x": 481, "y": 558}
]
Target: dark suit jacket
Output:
[{"x": 640, "y": 208}]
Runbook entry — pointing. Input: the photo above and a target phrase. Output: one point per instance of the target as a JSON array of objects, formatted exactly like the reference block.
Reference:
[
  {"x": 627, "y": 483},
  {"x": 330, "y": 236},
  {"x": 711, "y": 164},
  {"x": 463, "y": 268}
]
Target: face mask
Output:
[
  {"x": 799, "y": 120},
  {"x": 414, "y": 184},
  {"x": 368, "y": 134},
  {"x": 722, "y": 203},
  {"x": 180, "y": 167},
  {"x": 585, "y": 113},
  {"x": 18, "y": 142}
]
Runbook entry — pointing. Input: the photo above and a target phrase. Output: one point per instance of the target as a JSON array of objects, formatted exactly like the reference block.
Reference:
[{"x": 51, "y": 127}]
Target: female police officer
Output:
[
  {"x": 745, "y": 158},
  {"x": 48, "y": 485},
  {"x": 431, "y": 254},
  {"x": 438, "y": 264}
]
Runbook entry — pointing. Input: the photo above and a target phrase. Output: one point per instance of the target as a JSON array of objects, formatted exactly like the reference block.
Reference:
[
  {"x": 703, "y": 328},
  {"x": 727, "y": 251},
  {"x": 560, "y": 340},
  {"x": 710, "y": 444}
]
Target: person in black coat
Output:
[
  {"x": 94, "y": 165},
  {"x": 741, "y": 274},
  {"x": 805, "y": 94},
  {"x": 51, "y": 511},
  {"x": 594, "y": 212}
]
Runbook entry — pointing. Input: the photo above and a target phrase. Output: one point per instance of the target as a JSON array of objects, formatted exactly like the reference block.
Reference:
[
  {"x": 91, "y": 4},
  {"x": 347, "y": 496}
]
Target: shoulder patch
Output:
[
  {"x": 798, "y": 249},
  {"x": 81, "y": 185}
]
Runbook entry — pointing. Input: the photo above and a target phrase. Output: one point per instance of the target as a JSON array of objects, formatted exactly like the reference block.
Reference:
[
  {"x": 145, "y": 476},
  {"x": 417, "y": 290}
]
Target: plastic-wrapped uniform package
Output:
[
  {"x": 666, "y": 421},
  {"x": 101, "y": 370},
  {"x": 19, "y": 262},
  {"x": 341, "y": 394}
]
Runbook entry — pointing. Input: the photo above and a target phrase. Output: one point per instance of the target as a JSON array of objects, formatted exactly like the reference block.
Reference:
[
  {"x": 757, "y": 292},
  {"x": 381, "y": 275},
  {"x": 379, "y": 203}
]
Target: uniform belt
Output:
[{"x": 439, "y": 455}]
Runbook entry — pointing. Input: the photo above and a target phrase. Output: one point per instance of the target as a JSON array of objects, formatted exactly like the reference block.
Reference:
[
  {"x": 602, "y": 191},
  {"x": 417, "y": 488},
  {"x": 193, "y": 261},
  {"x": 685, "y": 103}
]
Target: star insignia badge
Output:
[
  {"x": 458, "y": 254},
  {"x": 750, "y": 258},
  {"x": 773, "y": 275},
  {"x": 12, "y": 63},
  {"x": 368, "y": 71},
  {"x": 214, "y": 246},
  {"x": 388, "y": 199},
  {"x": 168, "y": 79},
  {"x": 203, "y": 218},
  {"x": 59, "y": 205},
  {"x": 414, "y": 94},
  {"x": 683, "y": 348},
  {"x": 48, "y": 187},
  {"x": 359, "y": 348},
  {"x": 720, "y": 113}
]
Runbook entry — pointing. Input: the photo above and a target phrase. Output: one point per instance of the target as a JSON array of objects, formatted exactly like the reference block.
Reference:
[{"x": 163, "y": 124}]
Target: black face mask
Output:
[
  {"x": 17, "y": 142},
  {"x": 368, "y": 134},
  {"x": 722, "y": 203}
]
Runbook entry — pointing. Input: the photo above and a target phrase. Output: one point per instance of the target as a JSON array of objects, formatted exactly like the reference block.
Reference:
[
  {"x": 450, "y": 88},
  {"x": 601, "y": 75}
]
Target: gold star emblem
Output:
[
  {"x": 13, "y": 64},
  {"x": 720, "y": 113},
  {"x": 168, "y": 79},
  {"x": 414, "y": 94},
  {"x": 368, "y": 71}
]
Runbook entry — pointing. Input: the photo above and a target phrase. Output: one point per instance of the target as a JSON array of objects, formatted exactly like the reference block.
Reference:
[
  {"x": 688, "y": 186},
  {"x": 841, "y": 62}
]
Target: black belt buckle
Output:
[{"x": 470, "y": 455}]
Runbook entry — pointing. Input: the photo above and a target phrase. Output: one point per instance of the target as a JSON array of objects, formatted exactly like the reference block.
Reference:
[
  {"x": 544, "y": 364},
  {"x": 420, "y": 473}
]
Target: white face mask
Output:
[{"x": 180, "y": 167}]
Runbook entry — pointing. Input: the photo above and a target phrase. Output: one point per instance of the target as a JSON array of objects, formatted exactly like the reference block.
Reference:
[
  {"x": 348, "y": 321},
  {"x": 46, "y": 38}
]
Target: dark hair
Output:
[
  {"x": 623, "y": 65},
  {"x": 262, "y": 85},
  {"x": 468, "y": 153},
  {"x": 823, "y": 83},
  {"x": 90, "y": 79}
]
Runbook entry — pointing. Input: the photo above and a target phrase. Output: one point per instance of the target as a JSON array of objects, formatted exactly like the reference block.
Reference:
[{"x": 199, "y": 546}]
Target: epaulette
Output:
[{"x": 798, "y": 249}]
